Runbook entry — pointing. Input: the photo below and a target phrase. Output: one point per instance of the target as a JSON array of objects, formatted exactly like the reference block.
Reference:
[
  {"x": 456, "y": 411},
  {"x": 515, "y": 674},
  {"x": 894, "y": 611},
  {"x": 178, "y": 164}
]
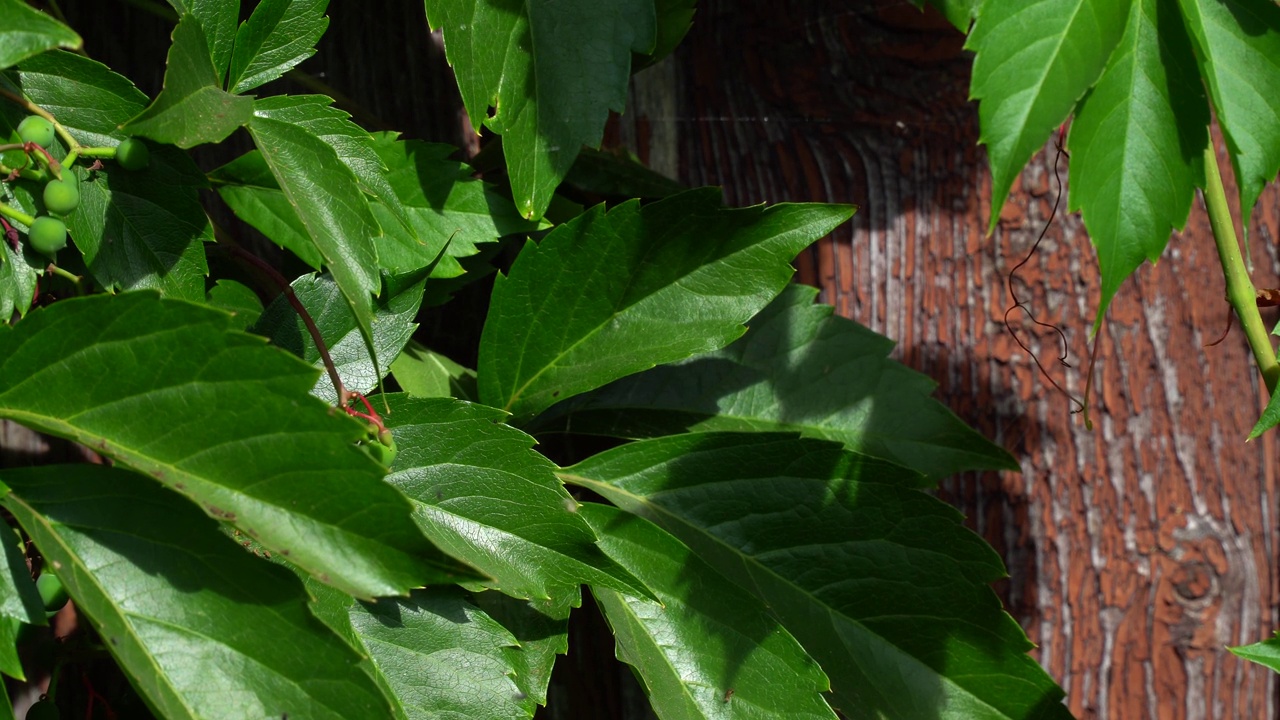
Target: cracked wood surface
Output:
[{"x": 1138, "y": 550}]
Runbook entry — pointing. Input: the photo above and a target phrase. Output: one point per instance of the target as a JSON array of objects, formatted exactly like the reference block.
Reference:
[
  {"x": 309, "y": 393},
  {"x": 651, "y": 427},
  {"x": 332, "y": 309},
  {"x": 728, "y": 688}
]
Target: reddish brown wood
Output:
[{"x": 1137, "y": 550}]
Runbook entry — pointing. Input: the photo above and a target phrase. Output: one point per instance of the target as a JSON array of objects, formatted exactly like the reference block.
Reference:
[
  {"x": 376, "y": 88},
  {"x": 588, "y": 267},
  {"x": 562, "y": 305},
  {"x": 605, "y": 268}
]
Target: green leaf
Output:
[
  {"x": 25, "y": 31},
  {"x": 19, "y": 600},
  {"x": 541, "y": 629},
  {"x": 1027, "y": 88},
  {"x": 247, "y": 186},
  {"x": 609, "y": 294},
  {"x": 237, "y": 299},
  {"x": 620, "y": 174},
  {"x": 1265, "y": 653},
  {"x": 1270, "y": 417},
  {"x": 137, "y": 230},
  {"x": 482, "y": 494},
  {"x": 674, "y": 18},
  {"x": 329, "y": 202},
  {"x": 880, "y": 583},
  {"x": 19, "y": 273},
  {"x": 799, "y": 368},
  {"x": 392, "y": 327},
  {"x": 441, "y": 204},
  {"x": 224, "y": 419},
  {"x": 1238, "y": 43},
  {"x": 709, "y": 649},
  {"x": 218, "y": 20},
  {"x": 278, "y": 36},
  {"x": 180, "y": 606},
  {"x": 6, "y": 705},
  {"x": 424, "y": 373},
  {"x": 145, "y": 229},
  {"x": 192, "y": 109},
  {"x": 354, "y": 145},
  {"x": 442, "y": 657},
  {"x": 552, "y": 71},
  {"x": 1137, "y": 144}
]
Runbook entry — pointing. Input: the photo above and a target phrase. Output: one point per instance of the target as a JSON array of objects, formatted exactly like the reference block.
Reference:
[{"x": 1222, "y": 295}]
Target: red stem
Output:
[{"x": 344, "y": 395}]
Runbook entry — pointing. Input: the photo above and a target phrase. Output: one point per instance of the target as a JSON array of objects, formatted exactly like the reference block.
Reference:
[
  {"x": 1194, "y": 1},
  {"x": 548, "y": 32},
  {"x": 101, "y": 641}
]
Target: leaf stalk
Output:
[{"x": 1240, "y": 291}]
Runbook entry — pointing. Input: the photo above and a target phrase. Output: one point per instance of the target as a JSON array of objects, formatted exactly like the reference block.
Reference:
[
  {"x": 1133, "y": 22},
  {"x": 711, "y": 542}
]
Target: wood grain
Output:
[{"x": 1137, "y": 550}]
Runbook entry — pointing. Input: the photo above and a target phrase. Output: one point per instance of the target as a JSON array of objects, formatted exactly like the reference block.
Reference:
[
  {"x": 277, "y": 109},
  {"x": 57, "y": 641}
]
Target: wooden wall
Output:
[{"x": 1137, "y": 550}]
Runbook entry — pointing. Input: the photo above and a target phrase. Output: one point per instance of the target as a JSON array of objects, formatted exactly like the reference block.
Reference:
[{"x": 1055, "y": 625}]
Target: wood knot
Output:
[{"x": 1195, "y": 584}]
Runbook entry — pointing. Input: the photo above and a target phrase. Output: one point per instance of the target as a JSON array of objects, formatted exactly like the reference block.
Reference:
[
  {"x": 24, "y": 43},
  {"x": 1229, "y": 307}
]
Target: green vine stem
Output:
[
  {"x": 15, "y": 214},
  {"x": 1240, "y": 291}
]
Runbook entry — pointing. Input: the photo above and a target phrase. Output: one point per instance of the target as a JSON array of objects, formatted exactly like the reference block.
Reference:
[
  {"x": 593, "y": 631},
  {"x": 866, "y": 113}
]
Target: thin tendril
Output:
[{"x": 1018, "y": 304}]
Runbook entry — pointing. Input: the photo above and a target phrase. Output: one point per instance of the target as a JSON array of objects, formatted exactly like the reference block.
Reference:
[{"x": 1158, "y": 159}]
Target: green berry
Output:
[
  {"x": 62, "y": 196},
  {"x": 47, "y": 235},
  {"x": 36, "y": 129},
  {"x": 132, "y": 154},
  {"x": 43, "y": 710},
  {"x": 384, "y": 454},
  {"x": 51, "y": 591}
]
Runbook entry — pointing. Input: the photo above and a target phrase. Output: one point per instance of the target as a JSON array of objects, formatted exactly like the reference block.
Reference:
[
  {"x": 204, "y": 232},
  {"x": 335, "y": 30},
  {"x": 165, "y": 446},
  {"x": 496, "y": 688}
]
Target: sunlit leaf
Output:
[
  {"x": 612, "y": 293},
  {"x": 279, "y": 35},
  {"x": 25, "y": 31},
  {"x": 482, "y": 495},
  {"x": 192, "y": 109},
  {"x": 551, "y": 71},
  {"x": 224, "y": 419},
  {"x": 203, "y": 629}
]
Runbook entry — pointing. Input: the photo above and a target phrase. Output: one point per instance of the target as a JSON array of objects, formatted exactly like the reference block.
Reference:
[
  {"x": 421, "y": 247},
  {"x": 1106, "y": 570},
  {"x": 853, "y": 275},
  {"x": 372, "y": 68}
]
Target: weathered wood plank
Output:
[{"x": 1137, "y": 550}]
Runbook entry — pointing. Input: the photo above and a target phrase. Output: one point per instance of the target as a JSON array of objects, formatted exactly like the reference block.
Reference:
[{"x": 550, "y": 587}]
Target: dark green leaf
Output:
[
  {"x": 19, "y": 273},
  {"x": 620, "y": 174},
  {"x": 483, "y": 495},
  {"x": 218, "y": 20},
  {"x": 1265, "y": 653},
  {"x": 6, "y": 705},
  {"x": 25, "y": 31},
  {"x": 1239, "y": 53},
  {"x": 1137, "y": 144},
  {"x": 192, "y": 109},
  {"x": 798, "y": 368},
  {"x": 224, "y": 419},
  {"x": 1025, "y": 88},
  {"x": 442, "y": 657},
  {"x": 330, "y": 204},
  {"x": 392, "y": 327},
  {"x": 247, "y": 186},
  {"x": 19, "y": 601},
  {"x": 238, "y": 300},
  {"x": 880, "y": 583},
  {"x": 427, "y": 374},
  {"x": 709, "y": 649},
  {"x": 609, "y": 294},
  {"x": 91, "y": 100},
  {"x": 552, "y": 71},
  {"x": 674, "y": 17},
  {"x": 541, "y": 627},
  {"x": 279, "y": 35},
  {"x": 145, "y": 229},
  {"x": 181, "y": 607},
  {"x": 441, "y": 208}
]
